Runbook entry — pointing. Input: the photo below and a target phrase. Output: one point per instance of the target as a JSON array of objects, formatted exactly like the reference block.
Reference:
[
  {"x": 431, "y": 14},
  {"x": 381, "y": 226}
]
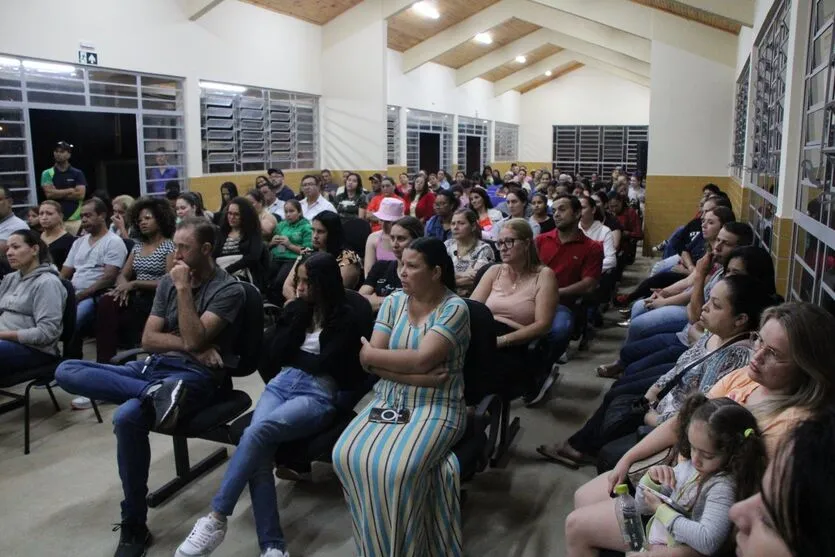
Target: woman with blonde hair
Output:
[
  {"x": 119, "y": 222},
  {"x": 521, "y": 293}
]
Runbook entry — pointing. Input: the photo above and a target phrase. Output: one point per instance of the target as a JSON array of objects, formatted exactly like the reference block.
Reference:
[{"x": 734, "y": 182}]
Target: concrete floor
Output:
[{"x": 62, "y": 499}]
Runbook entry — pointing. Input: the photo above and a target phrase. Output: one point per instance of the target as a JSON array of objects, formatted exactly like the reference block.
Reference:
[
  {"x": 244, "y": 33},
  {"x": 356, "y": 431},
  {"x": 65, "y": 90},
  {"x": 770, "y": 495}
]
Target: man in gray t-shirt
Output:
[
  {"x": 189, "y": 334},
  {"x": 9, "y": 222}
]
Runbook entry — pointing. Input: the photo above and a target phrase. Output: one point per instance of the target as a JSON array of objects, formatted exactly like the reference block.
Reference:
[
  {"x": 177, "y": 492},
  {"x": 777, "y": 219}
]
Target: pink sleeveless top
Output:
[
  {"x": 382, "y": 253},
  {"x": 519, "y": 305}
]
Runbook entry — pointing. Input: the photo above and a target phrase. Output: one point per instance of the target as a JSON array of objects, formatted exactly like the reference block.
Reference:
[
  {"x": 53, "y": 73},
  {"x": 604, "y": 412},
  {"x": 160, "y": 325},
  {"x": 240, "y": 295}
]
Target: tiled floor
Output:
[{"x": 62, "y": 499}]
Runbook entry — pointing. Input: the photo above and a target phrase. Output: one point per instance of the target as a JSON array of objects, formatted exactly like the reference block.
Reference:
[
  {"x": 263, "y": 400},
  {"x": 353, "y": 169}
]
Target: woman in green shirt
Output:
[{"x": 291, "y": 237}]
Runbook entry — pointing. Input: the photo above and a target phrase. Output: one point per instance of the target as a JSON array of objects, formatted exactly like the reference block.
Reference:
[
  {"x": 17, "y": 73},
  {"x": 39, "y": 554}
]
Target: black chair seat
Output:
[
  {"x": 221, "y": 412},
  {"x": 45, "y": 372},
  {"x": 469, "y": 451}
]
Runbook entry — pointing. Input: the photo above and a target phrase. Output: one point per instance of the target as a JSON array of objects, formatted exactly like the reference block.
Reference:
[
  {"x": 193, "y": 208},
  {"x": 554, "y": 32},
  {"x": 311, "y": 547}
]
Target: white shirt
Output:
[
  {"x": 310, "y": 210},
  {"x": 88, "y": 261},
  {"x": 602, "y": 234},
  {"x": 11, "y": 224},
  {"x": 277, "y": 208}
]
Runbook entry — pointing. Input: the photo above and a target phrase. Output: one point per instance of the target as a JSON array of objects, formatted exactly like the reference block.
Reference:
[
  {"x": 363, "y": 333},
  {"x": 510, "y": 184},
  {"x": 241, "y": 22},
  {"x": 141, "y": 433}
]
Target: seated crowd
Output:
[{"x": 710, "y": 385}]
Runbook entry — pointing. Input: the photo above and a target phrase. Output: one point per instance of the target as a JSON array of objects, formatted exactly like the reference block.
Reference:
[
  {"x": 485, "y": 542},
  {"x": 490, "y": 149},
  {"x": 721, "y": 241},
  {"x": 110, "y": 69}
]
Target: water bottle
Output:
[{"x": 631, "y": 526}]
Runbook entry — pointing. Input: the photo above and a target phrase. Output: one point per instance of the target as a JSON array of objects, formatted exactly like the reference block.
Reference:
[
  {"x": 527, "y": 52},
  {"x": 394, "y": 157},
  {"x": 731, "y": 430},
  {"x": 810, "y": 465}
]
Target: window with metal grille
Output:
[
  {"x": 393, "y": 135},
  {"x": 421, "y": 121},
  {"x": 600, "y": 149},
  {"x": 472, "y": 127},
  {"x": 506, "y": 146},
  {"x": 255, "y": 129},
  {"x": 741, "y": 120}
]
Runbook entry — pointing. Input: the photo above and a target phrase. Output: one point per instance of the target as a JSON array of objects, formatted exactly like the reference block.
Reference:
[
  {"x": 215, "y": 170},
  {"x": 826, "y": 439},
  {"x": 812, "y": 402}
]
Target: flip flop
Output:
[{"x": 557, "y": 458}]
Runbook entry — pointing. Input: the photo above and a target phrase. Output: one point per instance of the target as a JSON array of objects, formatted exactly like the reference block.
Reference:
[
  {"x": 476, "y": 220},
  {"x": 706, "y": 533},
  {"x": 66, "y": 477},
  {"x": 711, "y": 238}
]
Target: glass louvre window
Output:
[
  {"x": 472, "y": 127},
  {"x": 393, "y": 135},
  {"x": 251, "y": 129},
  {"x": 506, "y": 142},
  {"x": 741, "y": 120},
  {"x": 156, "y": 101},
  {"x": 421, "y": 122},
  {"x": 600, "y": 149},
  {"x": 769, "y": 98}
]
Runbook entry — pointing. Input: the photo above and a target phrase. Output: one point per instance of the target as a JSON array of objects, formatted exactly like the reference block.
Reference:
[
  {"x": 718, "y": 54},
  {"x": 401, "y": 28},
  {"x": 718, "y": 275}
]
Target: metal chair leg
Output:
[
  {"x": 52, "y": 396},
  {"x": 26, "y": 400},
  {"x": 96, "y": 410}
]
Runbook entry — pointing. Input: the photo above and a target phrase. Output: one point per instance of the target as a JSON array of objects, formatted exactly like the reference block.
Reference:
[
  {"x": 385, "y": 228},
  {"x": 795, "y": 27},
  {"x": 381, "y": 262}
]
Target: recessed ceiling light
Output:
[
  {"x": 548, "y": 73},
  {"x": 426, "y": 9},
  {"x": 483, "y": 38},
  {"x": 521, "y": 59}
]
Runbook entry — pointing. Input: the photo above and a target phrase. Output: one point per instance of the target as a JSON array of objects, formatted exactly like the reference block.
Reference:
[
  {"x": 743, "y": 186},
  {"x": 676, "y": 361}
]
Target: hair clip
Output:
[{"x": 748, "y": 432}]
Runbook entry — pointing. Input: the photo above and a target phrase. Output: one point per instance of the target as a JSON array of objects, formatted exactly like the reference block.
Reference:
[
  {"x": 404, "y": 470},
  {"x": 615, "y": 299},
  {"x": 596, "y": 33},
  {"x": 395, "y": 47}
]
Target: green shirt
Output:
[{"x": 300, "y": 234}]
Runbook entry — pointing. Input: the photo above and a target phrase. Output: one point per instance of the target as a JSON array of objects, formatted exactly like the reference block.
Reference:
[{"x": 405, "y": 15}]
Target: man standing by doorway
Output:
[
  {"x": 162, "y": 173},
  {"x": 66, "y": 185}
]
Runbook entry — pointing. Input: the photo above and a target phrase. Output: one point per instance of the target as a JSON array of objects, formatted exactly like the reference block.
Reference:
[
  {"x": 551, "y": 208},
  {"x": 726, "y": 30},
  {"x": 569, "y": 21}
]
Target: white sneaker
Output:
[
  {"x": 273, "y": 552},
  {"x": 81, "y": 403},
  {"x": 205, "y": 537}
]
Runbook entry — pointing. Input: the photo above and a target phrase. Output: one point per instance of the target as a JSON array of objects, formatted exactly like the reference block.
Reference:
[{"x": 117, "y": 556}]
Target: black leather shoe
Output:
[{"x": 133, "y": 540}]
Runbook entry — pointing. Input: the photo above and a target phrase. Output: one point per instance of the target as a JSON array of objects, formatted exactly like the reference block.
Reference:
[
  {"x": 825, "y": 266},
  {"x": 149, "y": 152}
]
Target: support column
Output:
[{"x": 354, "y": 90}]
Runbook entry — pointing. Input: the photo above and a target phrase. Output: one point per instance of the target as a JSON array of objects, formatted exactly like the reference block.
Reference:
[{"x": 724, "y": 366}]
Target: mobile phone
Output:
[
  {"x": 666, "y": 500},
  {"x": 389, "y": 416}
]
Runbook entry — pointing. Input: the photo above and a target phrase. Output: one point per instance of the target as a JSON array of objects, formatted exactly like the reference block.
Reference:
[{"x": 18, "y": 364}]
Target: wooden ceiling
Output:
[
  {"x": 406, "y": 29},
  {"x": 314, "y": 11},
  {"x": 543, "y": 79},
  {"x": 693, "y": 14},
  {"x": 470, "y": 50},
  {"x": 512, "y": 67}
]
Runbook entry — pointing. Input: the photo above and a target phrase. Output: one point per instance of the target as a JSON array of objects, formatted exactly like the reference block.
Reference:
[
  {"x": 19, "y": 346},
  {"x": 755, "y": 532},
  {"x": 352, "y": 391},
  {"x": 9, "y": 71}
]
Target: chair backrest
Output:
[
  {"x": 480, "y": 377},
  {"x": 250, "y": 331},
  {"x": 69, "y": 314},
  {"x": 480, "y": 274},
  {"x": 356, "y": 232},
  {"x": 363, "y": 311},
  {"x": 347, "y": 400}
]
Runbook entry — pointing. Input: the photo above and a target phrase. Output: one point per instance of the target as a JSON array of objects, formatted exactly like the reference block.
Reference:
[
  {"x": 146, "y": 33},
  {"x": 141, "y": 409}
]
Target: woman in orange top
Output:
[{"x": 386, "y": 190}]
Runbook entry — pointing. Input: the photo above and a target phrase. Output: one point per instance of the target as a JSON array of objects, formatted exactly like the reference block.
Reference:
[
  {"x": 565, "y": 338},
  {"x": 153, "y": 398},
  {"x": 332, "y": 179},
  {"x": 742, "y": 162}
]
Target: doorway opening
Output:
[
  {"x": 473, "y": 162},
  {"x": 430, "y": 152},
  {"x": 104, "y": 148}
]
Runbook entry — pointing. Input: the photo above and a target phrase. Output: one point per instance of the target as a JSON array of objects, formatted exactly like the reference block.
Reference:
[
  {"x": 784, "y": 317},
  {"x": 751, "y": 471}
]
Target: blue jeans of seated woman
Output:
[
  {"x": 643, "y": 354},
  {"x": 18, "y": 357},
  {"x": 665, "y": 264},
  {"x": 666, "y": 319},
  {"x": 294, "y": 404}
]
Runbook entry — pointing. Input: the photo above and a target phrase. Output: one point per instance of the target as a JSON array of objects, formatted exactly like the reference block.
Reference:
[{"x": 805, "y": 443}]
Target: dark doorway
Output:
[
  {"x": 430, "y": 152},
  {"x": 104, "y": 148},
  {"x": 473, "y": 162}
]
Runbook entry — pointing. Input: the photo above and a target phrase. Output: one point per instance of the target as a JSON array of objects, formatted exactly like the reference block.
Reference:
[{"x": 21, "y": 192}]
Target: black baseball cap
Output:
[
  {"x": 63, "y": 145},
  {"x": 275, "y": 171}
]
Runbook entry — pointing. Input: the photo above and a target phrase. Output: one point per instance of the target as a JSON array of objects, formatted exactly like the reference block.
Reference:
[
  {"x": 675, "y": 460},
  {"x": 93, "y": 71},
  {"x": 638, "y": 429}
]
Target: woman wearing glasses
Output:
[
  {"x": 522, "y": 294},
  {"x": 789, "y": 378}
]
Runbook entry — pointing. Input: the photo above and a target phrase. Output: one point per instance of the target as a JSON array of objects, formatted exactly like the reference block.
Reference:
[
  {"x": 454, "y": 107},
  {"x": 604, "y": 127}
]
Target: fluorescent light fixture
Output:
[
  {"x": 13, "y": 62},
  {"x": 549, "y": 73},
  {"x": 483, "y": 38},
  {"x": 48, "y": 67},
  {"x": 521, "y": 59},
  {"x": 426, "y": 10},
  {"x": 222, "y": 87}
]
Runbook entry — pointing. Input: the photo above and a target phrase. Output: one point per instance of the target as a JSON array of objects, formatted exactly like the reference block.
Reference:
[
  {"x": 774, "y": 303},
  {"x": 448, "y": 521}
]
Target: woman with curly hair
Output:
[{"x": 122, "y": 312}]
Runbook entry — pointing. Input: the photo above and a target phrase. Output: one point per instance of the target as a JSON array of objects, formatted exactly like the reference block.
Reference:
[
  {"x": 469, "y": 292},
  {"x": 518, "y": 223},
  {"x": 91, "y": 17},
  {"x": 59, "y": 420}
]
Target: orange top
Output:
[
  {"x": 513, "y": 306},
  {"x": 738, "y": 386}
]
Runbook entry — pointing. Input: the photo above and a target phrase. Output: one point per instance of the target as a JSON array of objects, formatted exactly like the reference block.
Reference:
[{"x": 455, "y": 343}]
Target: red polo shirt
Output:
[{"x": 572, "y": 261}]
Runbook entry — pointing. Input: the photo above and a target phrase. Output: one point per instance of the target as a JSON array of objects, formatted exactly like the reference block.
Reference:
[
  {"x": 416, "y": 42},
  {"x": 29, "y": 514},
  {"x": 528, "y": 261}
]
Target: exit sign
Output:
[{"x": 88, "y": 58}]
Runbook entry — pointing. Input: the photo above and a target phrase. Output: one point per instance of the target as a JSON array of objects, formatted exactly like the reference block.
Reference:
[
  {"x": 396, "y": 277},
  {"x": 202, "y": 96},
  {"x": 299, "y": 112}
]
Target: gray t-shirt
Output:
[
  {"x": 9, "y": 225},
  {"x": 89, "y": 261},
  {"x": 220, "y": 295}
]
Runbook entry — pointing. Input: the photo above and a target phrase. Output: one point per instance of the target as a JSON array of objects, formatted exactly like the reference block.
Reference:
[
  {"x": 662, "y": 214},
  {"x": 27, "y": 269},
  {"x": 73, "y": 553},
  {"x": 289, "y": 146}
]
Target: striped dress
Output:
[{"x": 401, "y": 481}]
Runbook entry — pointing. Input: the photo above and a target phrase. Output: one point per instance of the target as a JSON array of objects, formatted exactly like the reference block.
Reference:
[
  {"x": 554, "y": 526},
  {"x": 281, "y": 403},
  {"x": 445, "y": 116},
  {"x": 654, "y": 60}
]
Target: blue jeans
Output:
[
  {"x": 294, "y": 404},
  {"x": 561, "y": 329},
  {"x": 672, "y": 241},
  {"x": 666, "y": 319},
  {"x": 665, "y": 264},
  {"x": 133, "y": 420},
  {"x": 85, "y": 316},
  {"x": 18, "y": 357},
  {"x": 657, "y": 350}
]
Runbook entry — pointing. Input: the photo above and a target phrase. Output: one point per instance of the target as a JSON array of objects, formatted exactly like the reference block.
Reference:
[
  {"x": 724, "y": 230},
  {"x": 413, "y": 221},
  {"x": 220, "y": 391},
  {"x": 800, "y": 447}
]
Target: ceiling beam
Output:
[
  {"x": 457, "y": 34},
  {"x": 393, "y": 7},
  {"x": 552, "y": 63},
  {"x": 738, "y": 11},
  {"x": 496, "y": 58},
  {"x": 195, "y": 9},
  {"x": 613, "y": 70},
  {"x": 625, "y": 16}
]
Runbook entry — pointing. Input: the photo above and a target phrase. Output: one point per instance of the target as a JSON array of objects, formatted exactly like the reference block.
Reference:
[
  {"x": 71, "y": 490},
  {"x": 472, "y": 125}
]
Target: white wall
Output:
[
  {"x": 583, "y": 97},
  {"x": 691, "y": 114},
  {"x": 432, "y": 87},
  {"x": 235, "y": 42}
]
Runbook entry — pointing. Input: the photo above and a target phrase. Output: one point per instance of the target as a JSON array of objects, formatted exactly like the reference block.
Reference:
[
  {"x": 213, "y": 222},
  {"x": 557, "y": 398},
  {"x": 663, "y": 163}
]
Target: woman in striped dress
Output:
[{"x": 400, "y": 479}]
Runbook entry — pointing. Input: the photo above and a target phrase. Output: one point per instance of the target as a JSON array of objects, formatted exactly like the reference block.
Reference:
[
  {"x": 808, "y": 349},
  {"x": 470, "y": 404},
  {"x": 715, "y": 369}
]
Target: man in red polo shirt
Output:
[{"x": 576, "y": 260}]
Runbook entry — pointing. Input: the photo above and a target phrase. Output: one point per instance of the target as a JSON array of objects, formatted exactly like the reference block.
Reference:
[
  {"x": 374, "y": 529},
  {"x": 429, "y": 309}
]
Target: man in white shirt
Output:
[
  {"x": 272, "y": 203},
  {"x": 9, "y": 222},
  {"x": 93, "y": 264},
  {"x": 313, "y": 202}
]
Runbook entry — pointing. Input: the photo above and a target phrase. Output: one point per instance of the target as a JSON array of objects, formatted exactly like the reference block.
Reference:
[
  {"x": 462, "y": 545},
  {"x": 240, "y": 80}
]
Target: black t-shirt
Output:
[
  {"x": 547, "y": 225},
  {"x": 68, "y": 179},
  {"x": 59, "y": 249},
  {"x": 611, "y": 221},
  {"x": 383, "y": 278}
]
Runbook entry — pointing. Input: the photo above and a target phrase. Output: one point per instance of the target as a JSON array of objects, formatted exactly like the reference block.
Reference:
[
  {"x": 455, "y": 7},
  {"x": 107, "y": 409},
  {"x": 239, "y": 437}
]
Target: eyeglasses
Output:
[
  {"x": 507, "y": 243},
  {"x": 770, "y": 354}
]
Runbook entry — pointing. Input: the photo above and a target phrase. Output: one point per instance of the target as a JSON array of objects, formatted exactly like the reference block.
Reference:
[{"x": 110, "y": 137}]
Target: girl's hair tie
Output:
[{"x": 748, "y": 432}]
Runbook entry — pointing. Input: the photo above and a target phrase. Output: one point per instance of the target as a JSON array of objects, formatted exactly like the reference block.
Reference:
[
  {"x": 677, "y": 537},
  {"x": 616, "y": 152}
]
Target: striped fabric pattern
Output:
[{"x": 401, "y": 481}]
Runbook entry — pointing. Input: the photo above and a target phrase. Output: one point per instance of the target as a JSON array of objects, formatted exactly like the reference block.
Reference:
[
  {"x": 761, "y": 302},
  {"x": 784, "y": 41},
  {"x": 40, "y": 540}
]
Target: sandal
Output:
[
  {"x": 609, "y": 372},
  {"x": 558, "y": 458}
]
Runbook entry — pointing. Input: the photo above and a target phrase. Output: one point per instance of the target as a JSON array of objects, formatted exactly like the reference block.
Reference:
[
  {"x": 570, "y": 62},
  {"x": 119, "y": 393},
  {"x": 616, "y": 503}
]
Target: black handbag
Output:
[{"x": 626, "y": 413}]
